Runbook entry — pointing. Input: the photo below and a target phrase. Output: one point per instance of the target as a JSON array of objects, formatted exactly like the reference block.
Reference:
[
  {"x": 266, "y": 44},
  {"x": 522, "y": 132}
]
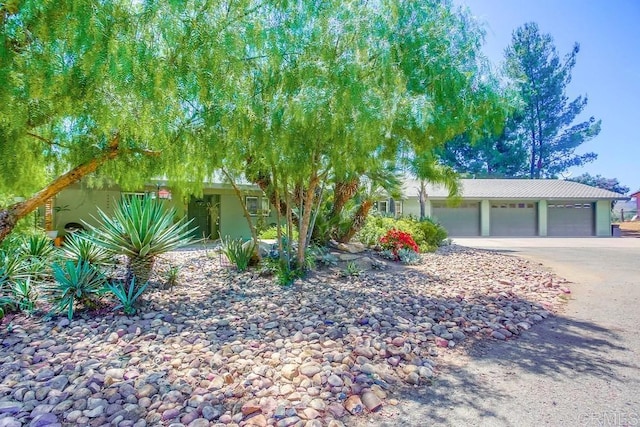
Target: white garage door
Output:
[
  {"x": 514, "y": 219},
  {"x": 463, "y": 220},
  {"x": 570, "y": 219}
]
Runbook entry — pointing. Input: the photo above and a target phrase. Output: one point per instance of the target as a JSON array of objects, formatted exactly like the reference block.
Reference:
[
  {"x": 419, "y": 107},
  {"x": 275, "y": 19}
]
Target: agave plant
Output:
[
  {"x": 141, "y": 229},
  {"x": 80, "y": 247},
  {"x": 128, "y": 296},
  {"x": 79, "y": 283}
]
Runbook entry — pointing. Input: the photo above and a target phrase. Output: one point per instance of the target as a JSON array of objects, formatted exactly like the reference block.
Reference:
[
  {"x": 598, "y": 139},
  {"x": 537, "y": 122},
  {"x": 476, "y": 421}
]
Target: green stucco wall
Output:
[{"x": 80, "y": 204}]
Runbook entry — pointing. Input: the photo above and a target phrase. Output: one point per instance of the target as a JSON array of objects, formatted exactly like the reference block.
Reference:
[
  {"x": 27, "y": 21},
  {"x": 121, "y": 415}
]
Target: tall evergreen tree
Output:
[
  {"x": 492, "y": 155},
  {"x": 611, "y": 184},
  {"x": 548, "y": 128}
]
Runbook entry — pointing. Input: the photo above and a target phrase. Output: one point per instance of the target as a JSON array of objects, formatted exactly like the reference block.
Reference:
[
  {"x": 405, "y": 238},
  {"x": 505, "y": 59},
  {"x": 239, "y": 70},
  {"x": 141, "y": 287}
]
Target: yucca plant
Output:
[
  {"x": 238, "y": 252},
  {"x": 79, "y": 247},
  {"x": 25, "y": 295},
  {"x": 128, "y": 296},
  {"x": 36, "y": 246},
  {"x": 12, "y": 267},
  {"x": 141, "y": 229},
  {"x": 75, "y": 283}
]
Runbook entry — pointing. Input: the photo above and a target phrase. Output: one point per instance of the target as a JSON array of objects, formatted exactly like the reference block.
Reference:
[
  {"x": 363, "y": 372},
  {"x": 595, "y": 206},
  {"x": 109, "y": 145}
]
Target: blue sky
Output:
[{"x": 607, "y": 68}]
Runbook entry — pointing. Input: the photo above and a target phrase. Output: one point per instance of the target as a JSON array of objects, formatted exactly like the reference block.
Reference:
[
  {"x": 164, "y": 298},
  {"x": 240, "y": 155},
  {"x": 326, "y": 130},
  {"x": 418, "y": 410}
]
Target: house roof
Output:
[{"x": 516, "y": 189}]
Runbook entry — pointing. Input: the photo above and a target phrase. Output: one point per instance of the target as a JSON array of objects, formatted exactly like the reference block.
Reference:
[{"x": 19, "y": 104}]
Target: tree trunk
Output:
[
  {"x": 343, "y": 192},
  {"x": 307, "y": 205},
  {"x": 358, "y": 221},
  {"x": 11, "y": 215},
  {"x": 532, "y": 164},
  {"x": 422, "y": 198}
]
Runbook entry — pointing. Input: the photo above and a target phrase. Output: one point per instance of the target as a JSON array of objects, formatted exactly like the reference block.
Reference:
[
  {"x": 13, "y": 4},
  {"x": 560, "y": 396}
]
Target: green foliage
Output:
[
  {"x": 491, "y": 156},
  {"x": 547, "y": 127},
  {"x": 12, "y": 268},
  {"x": 286, "y": 276},
  {"x": 427, "y": 234},
  {"x": 75, "y": 283},
  {"x": 127, "y": 295},
  {"x": 25, "y": 295},
  {"x": 611, "y": 184},
  {"x": 238, "y": 252},
  {"x": 351, "y": 270},
  {"x": 141, "y": 229},
  {"x": 408, "y": 256},
  {"x": 172, "y": 275},
  {"x": 36, "y": 246},
  {"x": 81, "y": 248},
  {"x": 271, "y": 233},
  {"x": 310, "y": 256}
]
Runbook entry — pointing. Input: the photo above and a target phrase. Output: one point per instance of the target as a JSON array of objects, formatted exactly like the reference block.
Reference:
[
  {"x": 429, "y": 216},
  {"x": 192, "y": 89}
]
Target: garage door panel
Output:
[
  {"x": 514, "y": 219},
  {"x": 460, "y": 221},
  {"x": 569, "y": 219}
]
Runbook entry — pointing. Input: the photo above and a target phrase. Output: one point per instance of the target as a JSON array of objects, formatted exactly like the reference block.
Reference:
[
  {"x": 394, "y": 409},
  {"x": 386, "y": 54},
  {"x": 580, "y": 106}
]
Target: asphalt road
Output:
[{"x": 581, "y": 368}]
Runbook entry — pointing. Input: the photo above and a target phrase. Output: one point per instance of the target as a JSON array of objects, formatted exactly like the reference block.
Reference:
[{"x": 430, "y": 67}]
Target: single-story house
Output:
[
  {"x": 216, "y": 213},
  {"x": 487, "y": 207}
]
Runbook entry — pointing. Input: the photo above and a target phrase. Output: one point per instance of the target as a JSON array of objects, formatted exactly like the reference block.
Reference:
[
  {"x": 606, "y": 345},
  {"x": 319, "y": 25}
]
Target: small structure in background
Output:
[{"x": 636, "y": 196}]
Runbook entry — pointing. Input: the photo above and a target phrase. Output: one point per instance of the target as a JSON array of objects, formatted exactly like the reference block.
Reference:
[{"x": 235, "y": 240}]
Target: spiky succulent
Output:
[{"x": 141, "y": 229}]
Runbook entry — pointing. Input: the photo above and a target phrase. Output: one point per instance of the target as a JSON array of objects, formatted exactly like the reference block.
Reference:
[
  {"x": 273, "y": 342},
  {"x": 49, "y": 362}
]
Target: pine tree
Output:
[{"x": 541, "y": 78}]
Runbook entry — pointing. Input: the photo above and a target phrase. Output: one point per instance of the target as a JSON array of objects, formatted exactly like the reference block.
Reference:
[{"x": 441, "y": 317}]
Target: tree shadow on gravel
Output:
[{"x": 470, "y": 391}]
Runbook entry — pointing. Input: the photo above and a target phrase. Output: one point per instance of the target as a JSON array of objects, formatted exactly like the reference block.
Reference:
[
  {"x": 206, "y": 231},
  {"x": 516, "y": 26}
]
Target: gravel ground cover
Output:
[{"x": 223, "y": 348}]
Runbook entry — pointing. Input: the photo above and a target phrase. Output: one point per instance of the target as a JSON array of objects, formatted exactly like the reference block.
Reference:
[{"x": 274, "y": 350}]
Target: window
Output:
[
  {"x": 251, "y": 202},
  {"x": 265, "y": 207},
  {"x": 257, "y": 205},
  {"x": 382, "y": 206}
]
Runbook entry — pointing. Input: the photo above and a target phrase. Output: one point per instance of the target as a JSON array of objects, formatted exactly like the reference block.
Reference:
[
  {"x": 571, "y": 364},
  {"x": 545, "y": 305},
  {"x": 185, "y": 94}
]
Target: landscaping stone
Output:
[{"x": 224, "y": 348}]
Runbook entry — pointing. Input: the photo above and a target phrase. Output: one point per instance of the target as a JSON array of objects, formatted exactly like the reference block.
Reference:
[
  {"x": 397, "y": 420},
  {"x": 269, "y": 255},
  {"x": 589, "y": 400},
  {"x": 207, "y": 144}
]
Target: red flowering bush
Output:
[{"x": 395, "y": 240}]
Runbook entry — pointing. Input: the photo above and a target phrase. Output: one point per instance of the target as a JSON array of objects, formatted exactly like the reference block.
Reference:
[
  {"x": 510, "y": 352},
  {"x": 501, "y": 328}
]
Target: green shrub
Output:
[
  {"x": 79, "y": 283},
  {"x": 427, "y": 234},
  {"x": 172, "y": 275},
  {"x": 239, "y": 253},
  {"x": 351, "y": 270},
  {"x": 271, "y": 233},
  {"x": 128, "y": 296},
  {"x": 409, "y": 256}
]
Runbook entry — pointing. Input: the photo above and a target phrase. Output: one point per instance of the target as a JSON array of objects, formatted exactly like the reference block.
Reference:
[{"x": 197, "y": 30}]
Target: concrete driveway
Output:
[{"x": 580, "y": 368}]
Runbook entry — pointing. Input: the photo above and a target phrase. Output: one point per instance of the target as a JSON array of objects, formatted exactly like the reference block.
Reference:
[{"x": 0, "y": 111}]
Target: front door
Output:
[{"x": 201, "y": 213}]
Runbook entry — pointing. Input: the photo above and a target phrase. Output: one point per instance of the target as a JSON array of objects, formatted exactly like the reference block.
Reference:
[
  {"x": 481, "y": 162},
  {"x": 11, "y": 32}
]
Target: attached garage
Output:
[
  {"x": 461, "y": 221},
  {"x": 514, "y": 219},
  {"x": 570, "y": 219}
]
